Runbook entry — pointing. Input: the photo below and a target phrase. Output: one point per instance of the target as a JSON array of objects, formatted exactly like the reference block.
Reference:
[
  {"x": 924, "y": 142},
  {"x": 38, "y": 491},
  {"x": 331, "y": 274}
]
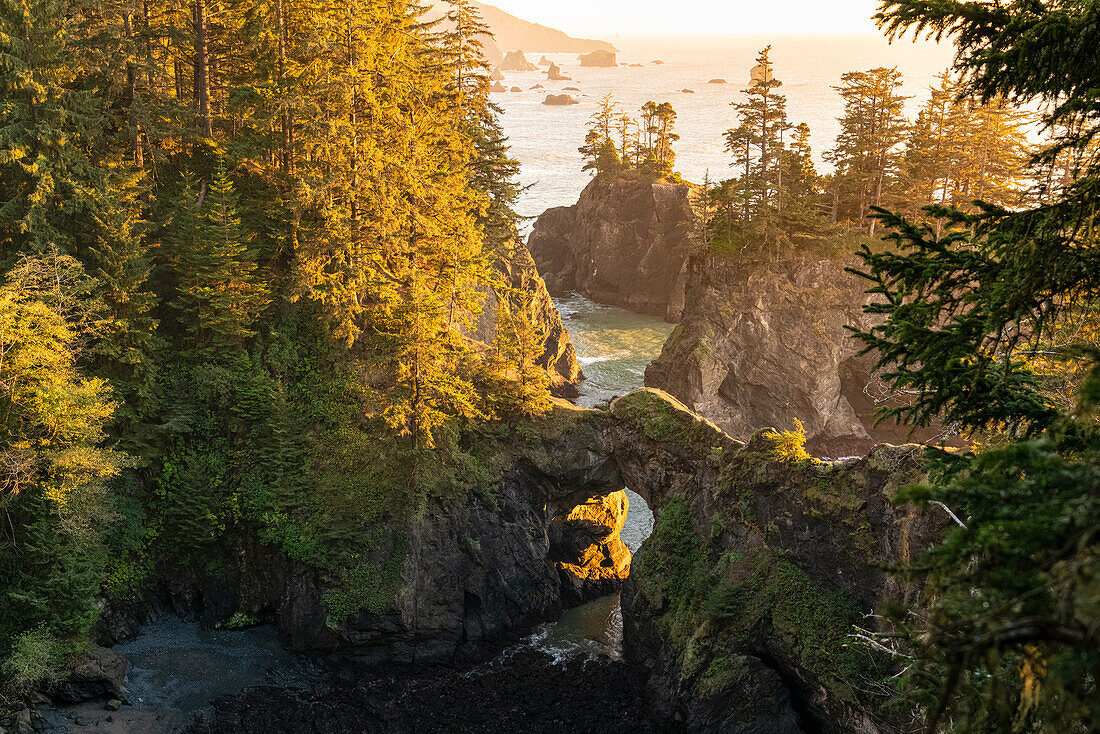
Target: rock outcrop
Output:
[
  {"x": 554, "y": 74},
  {"x": 763, "y": 342},
  {"x": 559, "y": 100},
  {"x": 517, "y": 61},
  {"x": 97, "y": 672},
  {"x": 601, "y": 59},
  {"x": 587, "y": 550},
  {"x": 624, "y": 243},
  {"x": 739, "y": 608},
  {"x": 527, "y": 289}
]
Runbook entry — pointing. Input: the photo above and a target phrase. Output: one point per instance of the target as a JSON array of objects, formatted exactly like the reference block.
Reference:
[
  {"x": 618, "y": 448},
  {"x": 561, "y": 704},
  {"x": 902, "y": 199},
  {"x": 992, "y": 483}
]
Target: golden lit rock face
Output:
[{"x": 591, "y": 558}]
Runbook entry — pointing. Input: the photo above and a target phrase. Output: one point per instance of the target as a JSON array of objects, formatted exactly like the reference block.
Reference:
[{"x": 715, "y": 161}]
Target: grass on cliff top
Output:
[{"x": 662, "y": 418}]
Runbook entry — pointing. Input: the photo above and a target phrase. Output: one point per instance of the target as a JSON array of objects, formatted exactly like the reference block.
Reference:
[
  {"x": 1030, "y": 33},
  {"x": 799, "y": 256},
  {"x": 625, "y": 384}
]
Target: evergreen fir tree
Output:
[{"x": 868, "y": 153}]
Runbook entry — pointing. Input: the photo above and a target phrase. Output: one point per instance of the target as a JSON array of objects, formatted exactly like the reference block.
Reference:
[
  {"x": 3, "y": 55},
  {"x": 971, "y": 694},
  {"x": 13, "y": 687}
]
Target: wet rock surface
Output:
[{"x": 525, "y": 693}]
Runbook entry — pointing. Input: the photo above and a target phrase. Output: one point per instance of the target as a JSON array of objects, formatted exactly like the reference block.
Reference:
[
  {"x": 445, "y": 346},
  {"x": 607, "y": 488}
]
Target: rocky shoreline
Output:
[{"x": 527, "y": 692}]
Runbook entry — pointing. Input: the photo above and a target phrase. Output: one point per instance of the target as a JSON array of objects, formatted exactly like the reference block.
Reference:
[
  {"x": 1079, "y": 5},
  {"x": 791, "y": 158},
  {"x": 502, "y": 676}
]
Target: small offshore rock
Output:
[
  {"x": 554, "y": 74},
  {"x": 559, "y": 100},
  {"x": 599, "y": 58},
  {"x": 717, "y": 81}
]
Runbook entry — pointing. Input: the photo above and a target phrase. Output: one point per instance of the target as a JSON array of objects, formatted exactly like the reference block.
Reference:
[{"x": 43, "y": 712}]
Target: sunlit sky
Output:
[{"x": 605, "y": 18}]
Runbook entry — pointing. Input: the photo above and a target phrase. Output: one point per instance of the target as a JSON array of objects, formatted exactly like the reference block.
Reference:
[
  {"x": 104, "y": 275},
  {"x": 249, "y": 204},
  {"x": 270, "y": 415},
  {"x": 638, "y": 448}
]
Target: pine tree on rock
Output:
[
  {"x": 756, "y": 144},
  {"x": 868, "y": 153}
]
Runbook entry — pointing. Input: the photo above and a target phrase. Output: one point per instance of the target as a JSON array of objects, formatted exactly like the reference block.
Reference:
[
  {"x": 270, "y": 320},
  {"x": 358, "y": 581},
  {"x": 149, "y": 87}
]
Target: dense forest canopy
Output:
[
  {"x": 242, "y": 247},
  {"x": 245, "y": 245}
]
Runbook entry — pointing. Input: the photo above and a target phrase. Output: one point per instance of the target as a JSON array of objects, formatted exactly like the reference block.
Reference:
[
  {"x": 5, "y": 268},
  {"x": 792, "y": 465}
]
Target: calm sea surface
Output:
[{"x": 545, "y": 139}]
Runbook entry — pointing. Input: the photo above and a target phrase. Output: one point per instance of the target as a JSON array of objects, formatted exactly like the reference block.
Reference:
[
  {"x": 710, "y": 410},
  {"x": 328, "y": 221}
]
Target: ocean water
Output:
[{"x": 545, "y": 138}]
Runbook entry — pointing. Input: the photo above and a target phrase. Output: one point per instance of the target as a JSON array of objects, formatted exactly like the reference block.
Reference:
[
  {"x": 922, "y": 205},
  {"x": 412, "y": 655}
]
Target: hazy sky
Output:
[{"x": 605, "y": 18}]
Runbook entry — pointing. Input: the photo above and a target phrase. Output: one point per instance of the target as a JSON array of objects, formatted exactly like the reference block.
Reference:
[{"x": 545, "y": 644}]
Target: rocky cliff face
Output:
[
  {"x": 737, "y": 611},
  {"x": 559, "y": 357},
  {"x": 739, "y": 608},
  {"x": 623, "y": 243},
  {"x": 762, "y": 343},
  {"x": 472, "y": 571}
]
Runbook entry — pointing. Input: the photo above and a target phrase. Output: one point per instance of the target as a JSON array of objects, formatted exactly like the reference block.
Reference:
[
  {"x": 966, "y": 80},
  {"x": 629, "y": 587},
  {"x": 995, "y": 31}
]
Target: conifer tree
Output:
[
  {"x": 1009, "y": 640},
  {"x": 656, "y": 128},
  {"x": 756, "y": 144},
  {"x": 600, "y": 151},
  {"x": 868, "y": 154},
  {"x": 219, "y": 294}
]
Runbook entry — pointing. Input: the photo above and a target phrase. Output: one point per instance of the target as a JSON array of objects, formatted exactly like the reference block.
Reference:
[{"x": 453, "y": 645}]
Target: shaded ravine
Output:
[
  {"x": 220, "y": 681},
  {"x": 566, "y": 675}
]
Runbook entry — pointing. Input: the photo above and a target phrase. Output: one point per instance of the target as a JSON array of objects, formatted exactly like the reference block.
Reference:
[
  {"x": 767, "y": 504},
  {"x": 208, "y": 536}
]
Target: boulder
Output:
[
  {"x": 97, "y": 672},
  {"x": 559, "y": 100},
  {"x": 657, "y": 62},
  {"x": 515, "y": 89},
  {"x": 538, "y": 86},
  {"x": 571, "y": 89},
  {"x": 601, "y": 58},
  {"x": 624, "y": 243},
  {"x": 688, "y": 91},
  {"x": 586, "y": 548},
  {"x": 717, "y": 81},
  {"x": 498, "y": 87},
  {"x": 517, "y": 61}
]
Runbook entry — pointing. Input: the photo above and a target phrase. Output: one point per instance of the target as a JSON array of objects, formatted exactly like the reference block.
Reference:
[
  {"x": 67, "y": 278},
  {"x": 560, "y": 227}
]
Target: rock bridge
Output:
[{"x": 476, "y": 574}]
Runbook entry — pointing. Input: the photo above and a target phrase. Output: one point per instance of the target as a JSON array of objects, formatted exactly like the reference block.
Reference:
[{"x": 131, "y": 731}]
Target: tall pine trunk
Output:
[{"x": 202, "y": 70}]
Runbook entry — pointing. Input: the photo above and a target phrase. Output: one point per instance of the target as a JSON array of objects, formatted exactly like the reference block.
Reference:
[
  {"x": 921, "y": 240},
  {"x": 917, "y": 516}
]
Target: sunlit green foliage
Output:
[{"x": 247, "y": 244}]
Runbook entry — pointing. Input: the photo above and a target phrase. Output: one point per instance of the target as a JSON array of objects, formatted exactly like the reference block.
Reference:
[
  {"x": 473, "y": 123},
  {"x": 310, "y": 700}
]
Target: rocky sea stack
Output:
[
  {"x": 624, "y": 243},
  {"x": 601, "y": 59},
  {"x": 517, "y": 61}
]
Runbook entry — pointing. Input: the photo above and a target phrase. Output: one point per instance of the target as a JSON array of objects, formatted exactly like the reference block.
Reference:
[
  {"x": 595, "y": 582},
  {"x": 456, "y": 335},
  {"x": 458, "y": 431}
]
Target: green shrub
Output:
[
  {"x": 791, "y": 445},
  {"x": 37, "y": 656}
]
